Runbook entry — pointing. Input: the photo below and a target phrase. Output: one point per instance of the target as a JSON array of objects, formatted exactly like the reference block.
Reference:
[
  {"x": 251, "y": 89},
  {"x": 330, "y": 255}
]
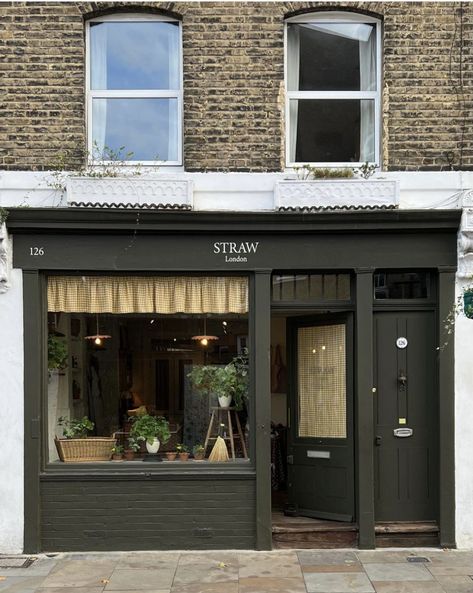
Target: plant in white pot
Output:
[
  {"x": 229, "y": 382},
  {"x": 154, "y": 430}
]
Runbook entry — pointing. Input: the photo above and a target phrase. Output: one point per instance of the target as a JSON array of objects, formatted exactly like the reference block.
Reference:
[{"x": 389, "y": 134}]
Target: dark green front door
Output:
[
  {"x": 406, "y": 418},
  {"x": 320, "y": 461}
]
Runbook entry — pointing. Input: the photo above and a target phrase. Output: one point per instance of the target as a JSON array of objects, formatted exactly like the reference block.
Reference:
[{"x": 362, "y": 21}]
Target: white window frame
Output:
[
  {"x": 336, "y": 17},
  {"x": 133, "y": 94}
]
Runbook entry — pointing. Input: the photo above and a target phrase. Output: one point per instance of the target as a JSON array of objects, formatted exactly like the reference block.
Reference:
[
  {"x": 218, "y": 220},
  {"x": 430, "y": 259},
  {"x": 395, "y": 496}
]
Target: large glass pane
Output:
[
  {"x": 321, "y": 380},
  {"x": 146, "y": 127},
  {"x": 115, "y": 368},
  {"x": 311, "y": 287},
  {"x": 134, "y": 55},
  {"x": 331, "y": 57},
  {"x": 401, "y": 285},
  {"x": 330, "y": 131}
]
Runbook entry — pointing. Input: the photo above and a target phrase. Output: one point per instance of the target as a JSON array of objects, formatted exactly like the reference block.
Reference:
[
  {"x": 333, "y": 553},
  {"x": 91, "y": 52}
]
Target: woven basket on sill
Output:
[{"x": 88, "y": 449}]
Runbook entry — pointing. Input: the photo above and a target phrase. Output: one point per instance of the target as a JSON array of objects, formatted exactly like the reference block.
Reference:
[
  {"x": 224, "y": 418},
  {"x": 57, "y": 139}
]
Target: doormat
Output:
[
  {"x": 7, "y": 562},
  {"x": 418, "y": 559}
]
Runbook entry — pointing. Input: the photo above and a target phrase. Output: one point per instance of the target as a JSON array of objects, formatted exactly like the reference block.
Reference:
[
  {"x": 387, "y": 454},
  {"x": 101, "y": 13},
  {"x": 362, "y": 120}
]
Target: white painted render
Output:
[
  {"x": 11, "y": 406},
  {"x": 218, "y": 192}
]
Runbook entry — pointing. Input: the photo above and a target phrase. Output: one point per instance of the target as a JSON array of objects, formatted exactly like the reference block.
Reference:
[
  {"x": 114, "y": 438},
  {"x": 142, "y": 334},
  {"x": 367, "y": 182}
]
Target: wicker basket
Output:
[{"x": 88, "y": 449}]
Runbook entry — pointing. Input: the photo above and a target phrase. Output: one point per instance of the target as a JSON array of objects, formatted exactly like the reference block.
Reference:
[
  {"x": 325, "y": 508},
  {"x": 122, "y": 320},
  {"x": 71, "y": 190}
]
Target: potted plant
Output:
[
  {"x": 133, "y": 447},
  {"x": 154, "y": 430},
  {"x": 77, "y": 446},
  {"x": 117, "y": 453},
  {"x": 198, "y": 452},
  {"x": 226, "y": 382},
  {"x": 57, "y": 353},
  {"x": 171, "y": 455},
  {"x": 183, "y": 451}
]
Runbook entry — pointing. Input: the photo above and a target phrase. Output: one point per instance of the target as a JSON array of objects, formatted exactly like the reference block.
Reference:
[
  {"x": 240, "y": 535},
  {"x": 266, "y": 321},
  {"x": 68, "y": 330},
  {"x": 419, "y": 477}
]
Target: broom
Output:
[{"x": 219, "y": 451}]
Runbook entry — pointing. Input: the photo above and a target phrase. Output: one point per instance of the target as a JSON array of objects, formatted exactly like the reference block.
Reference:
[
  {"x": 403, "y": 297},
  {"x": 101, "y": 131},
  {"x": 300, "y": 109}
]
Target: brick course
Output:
[{"x": 233, "y": 79}]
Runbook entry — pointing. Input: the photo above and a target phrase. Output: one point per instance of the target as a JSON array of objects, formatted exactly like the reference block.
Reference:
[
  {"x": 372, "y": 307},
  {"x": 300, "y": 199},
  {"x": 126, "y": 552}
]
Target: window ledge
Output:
[
  {"x": 336, "y": 192},
  {"x": 140, "y": 191},
  {"x": 140, "y": 470}
]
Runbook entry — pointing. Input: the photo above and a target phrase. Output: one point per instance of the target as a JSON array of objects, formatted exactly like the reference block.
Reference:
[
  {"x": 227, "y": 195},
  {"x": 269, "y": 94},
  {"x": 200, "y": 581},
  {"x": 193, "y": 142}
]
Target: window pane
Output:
[
  {"x": 114, "y": 367},
  {"x": 331, "y": 131},
  {"x": 331, "y": 57},
  {"x": 313, "y": 287},
  {"x": 146, "y": 127},
  {"x": 139, "y": 55},
  {"x": 401, "y": 285},
  {"x": 321, "y": 371}
]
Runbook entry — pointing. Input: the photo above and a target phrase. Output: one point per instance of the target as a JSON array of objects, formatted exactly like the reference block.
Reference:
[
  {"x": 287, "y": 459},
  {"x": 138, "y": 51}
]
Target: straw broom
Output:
[{"x": 219, "y": 451}]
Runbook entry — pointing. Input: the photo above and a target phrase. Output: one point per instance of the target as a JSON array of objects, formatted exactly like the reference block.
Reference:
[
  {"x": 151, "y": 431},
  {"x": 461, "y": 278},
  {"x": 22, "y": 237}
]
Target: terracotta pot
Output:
[
  {"x": 129, "y": 455},
  {"x": 171, "y": 455},
  {"x": 183, "y": 456},
  {"x": 199, "y": 456},
  {"x": 117, "y": 457}
]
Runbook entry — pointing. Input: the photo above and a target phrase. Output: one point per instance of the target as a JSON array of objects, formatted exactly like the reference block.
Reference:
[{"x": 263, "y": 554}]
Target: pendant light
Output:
[
  {"x": 205, "y": 338},
  {"x": 97, "y": 338}
]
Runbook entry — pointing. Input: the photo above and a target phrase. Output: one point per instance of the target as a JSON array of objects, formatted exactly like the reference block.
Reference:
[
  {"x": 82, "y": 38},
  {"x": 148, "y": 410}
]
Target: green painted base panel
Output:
[{"x": 147, "y": 515}]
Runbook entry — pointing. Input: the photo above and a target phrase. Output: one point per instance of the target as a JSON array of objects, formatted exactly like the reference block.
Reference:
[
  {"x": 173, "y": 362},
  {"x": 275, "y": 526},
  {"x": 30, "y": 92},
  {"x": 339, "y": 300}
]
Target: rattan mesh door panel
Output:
[{"x": 322, "y": 381}]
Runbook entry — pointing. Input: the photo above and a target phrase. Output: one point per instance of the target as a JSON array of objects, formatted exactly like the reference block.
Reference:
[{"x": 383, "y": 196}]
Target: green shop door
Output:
[
  {"x": 320, "y": 443},
  {"x": 406, "y": 417}
]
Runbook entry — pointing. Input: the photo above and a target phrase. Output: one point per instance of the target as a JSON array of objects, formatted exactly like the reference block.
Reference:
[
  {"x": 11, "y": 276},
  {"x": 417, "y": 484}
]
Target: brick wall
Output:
[{"x": 233, "y": 78}]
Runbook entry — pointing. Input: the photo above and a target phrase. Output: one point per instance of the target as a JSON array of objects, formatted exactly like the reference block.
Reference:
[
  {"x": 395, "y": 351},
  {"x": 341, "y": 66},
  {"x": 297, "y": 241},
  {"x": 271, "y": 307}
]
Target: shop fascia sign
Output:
[{"x": 234, "y": 251}]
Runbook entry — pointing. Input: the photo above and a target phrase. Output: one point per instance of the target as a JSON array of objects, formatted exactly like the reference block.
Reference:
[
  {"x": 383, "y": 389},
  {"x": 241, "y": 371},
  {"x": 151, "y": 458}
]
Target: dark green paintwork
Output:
[
  {"x": 261, "y": 331},
  {"x": 446, "y": 380},
  {"x": 406, "y": 469},
  {"x": 94, "y": 241},
  {"x": 364, "y": 406},
  {"x": 320, "y": 488}
]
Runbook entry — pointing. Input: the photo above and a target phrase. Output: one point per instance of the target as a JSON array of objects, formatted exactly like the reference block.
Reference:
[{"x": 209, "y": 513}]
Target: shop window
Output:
[
  {"x": 401, "y": 285},
  {"x": 121, "y": 349},
  {"x": 134, "y": 88},
  {"x": 332, "y": 89},
  {"x": 311, "y": 287}
]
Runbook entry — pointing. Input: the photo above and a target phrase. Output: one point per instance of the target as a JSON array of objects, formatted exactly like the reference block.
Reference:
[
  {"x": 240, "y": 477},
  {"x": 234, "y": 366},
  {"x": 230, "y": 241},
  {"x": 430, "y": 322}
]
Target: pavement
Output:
[{"x": 281, "y": 571}]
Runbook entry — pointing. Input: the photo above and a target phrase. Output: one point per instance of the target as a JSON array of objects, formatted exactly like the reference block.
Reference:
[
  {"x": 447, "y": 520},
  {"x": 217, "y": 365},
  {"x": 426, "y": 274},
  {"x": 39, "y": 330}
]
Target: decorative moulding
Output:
[
  {"x": 135, "y": 190},
  {"x": 4, "y": 260},
  {"x": 465, "y": 242},
  {"x": 336, "y": 192}
]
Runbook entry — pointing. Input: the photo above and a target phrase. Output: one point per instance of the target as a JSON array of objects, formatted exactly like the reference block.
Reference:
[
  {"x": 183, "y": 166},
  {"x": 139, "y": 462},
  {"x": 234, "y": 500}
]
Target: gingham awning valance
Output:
[{"x": 148, "y": 294}]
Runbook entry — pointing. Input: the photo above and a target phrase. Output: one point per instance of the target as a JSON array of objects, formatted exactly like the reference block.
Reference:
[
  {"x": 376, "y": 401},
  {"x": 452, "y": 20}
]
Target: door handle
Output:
[
  {"x": 402, "y": 379},
  {"x": 377, "y": 441}
]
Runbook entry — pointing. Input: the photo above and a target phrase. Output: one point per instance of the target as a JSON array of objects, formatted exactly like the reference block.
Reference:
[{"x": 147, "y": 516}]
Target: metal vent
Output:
[
  {"x": 418, "y": 559},
  {"x": 15, "y": 562}
]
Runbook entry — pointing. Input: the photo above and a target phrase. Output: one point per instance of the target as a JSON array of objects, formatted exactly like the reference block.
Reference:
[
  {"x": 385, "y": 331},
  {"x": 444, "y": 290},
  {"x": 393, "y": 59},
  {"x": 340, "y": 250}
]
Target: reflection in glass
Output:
[
  {"x": 331, "y": 57},
  {"x": 311, "y": 287},
  {"x": 401, "y": 285},
  {"x": 329, "y": 131},
  {"x": 146, "y": 127},
  {"x": 134, "y": 55}
]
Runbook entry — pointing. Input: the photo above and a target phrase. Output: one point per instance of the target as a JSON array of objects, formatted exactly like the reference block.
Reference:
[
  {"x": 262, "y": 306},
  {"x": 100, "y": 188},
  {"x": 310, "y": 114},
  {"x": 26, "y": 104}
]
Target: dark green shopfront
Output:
[{"x": 354, "y": 301}]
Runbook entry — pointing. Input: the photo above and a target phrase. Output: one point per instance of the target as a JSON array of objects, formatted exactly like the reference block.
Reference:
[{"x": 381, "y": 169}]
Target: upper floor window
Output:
[
  {"x": 333, "y": 82},
  {"x": 134, "y": 87}
]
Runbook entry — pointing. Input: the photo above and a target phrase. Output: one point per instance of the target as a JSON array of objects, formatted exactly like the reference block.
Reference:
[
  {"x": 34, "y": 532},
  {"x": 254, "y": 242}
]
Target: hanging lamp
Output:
[
  {"x": 205, "y": 338},
  {"x": 97, "y": 338}
]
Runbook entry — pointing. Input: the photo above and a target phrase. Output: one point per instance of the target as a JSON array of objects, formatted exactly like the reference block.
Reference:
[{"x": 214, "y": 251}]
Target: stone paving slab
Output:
[
  {"x": 281, "y": 571},
  {"x": 381, "y": 571}
]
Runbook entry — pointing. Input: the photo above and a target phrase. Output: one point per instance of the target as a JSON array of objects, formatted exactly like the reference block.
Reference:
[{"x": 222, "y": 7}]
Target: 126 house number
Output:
[{"x": 36, "y": 250}]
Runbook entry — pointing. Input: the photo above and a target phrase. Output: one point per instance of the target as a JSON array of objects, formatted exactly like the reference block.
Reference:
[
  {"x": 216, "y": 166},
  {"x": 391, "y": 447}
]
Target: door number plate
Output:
[
  {"x": 401, "y": 343},
  {"x": 403, "y": 432}
]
